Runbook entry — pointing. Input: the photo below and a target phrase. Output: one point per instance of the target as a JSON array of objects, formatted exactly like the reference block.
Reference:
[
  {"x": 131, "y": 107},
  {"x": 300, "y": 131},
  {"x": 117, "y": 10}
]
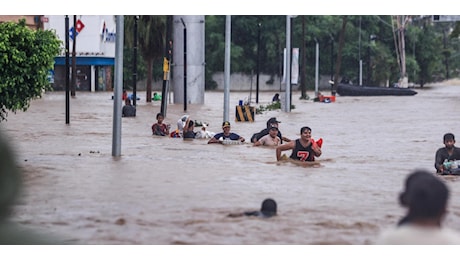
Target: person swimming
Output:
[{"x": 267, "y": 210}]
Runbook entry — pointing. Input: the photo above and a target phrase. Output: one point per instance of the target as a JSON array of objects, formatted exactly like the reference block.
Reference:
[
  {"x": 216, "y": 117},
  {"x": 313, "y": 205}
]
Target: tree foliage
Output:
[
  {"x": 26, "y": 57},
  {"x": 368, "y": 38},
  {"x": 151, "y": 31}
]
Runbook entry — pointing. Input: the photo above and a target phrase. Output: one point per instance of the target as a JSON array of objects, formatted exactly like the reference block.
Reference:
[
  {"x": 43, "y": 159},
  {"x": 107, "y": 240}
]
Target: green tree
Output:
[
  {"x": 26, "y": 56},
  {"x": 369, "y": 38},
  {"x": 151, "y": 37}
]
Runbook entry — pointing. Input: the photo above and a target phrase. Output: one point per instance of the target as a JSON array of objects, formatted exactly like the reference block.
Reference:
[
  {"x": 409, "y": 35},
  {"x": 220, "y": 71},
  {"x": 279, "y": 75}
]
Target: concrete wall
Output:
[{"x": 242, "y": 82}]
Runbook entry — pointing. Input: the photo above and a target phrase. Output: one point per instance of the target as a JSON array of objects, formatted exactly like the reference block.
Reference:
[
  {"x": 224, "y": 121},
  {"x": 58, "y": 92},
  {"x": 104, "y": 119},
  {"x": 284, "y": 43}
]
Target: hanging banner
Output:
[{"x": 294, "y": 66}]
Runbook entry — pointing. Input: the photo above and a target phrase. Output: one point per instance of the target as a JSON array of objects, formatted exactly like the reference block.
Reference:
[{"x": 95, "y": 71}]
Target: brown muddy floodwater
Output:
[{"x": 163, "y": 191}]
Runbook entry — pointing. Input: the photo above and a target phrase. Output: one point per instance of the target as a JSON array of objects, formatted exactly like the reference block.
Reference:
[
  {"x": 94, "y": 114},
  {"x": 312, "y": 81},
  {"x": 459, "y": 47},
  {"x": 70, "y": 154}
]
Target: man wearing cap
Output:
[
  {"x": 272, "y": 122},
  {"x": 272, "y": 139},
  {"x": 225, "y": 135}
]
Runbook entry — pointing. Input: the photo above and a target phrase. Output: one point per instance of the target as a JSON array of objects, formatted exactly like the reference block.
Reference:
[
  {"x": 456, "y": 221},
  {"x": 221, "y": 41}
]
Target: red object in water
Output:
[{"x": 319, "y": 142}]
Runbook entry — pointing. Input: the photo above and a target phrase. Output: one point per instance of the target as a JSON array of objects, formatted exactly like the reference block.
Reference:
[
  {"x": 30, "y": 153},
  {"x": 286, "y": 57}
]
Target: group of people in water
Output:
[
  {"x": 425, "y": 198},
  {"x": 425, "y": 195},
  {"x": 304, "y": 149}
]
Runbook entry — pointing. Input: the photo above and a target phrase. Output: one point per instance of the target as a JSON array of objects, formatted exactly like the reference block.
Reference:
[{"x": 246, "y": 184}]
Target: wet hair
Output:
[
  {"x": 425, "y": 195},
  {"x": 448, "y": 137},
  {"x": 304, "y": 128},
  {"x": 159, "y": 114},
  {"x": 190, "y": 123},
  {"x": 268, "y": 208}
]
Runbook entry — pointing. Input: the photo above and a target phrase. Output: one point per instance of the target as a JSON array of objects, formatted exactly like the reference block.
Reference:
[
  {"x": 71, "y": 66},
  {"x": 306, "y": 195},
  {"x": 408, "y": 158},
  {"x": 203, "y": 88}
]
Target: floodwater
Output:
[{"x": 163, "y": 191}]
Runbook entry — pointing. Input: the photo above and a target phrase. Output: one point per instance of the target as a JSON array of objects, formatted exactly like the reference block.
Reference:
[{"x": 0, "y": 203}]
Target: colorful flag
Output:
[
  {"x": 71, "y": 33},
  {"x": 80, "y": 25}
]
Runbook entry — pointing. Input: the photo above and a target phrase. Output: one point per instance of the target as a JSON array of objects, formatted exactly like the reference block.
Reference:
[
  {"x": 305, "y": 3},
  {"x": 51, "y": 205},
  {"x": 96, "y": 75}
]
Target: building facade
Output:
[{"x": 94, "y": 50}]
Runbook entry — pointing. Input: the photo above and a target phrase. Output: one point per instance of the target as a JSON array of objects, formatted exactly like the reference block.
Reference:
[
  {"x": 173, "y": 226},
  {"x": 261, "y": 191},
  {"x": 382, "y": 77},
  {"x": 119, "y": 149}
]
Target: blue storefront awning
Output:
[{"x": 96, "y": 61}]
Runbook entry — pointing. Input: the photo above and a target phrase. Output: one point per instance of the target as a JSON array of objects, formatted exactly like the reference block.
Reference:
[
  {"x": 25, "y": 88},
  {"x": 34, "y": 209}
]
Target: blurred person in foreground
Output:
[
  {"x": 425, "y": 197},
  {"x": 10, "y": 186}
]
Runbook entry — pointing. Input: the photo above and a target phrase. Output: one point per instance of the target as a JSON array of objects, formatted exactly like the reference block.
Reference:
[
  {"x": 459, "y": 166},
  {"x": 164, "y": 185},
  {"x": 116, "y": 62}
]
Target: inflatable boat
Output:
[{"x": 355, "y": 90}]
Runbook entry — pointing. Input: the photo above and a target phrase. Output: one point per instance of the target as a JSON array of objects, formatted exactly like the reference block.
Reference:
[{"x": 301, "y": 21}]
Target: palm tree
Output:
[{"x": 151, "y": 36}]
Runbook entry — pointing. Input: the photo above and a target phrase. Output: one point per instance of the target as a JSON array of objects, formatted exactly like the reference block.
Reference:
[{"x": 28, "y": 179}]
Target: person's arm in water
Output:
[
  {"x": 258, "y": 143},
  {"x": 284, "y": 147},
  {"x": 285, "y": 139},
  {"x": 439, "y": 161},
  {"x": 215, "y": 139}
]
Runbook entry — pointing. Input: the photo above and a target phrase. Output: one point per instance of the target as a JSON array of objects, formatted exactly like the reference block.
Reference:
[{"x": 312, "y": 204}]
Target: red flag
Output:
[{"x": 79, "y": 26}]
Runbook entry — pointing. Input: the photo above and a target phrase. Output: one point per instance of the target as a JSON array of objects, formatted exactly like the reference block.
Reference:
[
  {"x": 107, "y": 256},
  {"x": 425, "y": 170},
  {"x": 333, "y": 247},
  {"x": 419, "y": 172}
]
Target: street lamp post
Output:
[
  {"x": 185, "y": 65},
  {"x": 136, "y": 18}
]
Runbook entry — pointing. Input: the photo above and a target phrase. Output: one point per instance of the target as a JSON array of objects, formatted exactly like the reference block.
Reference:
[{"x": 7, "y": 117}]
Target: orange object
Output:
[
  {"x": 323, "y": 98},
  {"x": 319, "y": 142}
]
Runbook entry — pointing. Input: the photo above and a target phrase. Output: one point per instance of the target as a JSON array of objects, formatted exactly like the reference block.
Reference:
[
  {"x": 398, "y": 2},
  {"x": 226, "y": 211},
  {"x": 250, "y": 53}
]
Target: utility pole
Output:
[
  {"x": 185, "y": 64},
  {"x": 118, "y": 88},
  {"x": 166, "y": 65},
  {"x": 136, "y": 19},
  {"x": 287, "y": 98},
  {"x": 74, "y": 58},
  {"x": 67, "y": 74}
]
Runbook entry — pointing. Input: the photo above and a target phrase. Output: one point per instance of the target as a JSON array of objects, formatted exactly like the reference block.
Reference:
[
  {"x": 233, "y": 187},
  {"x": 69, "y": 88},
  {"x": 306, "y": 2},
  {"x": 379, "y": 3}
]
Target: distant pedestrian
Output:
[{"x": 128, "y": 109}]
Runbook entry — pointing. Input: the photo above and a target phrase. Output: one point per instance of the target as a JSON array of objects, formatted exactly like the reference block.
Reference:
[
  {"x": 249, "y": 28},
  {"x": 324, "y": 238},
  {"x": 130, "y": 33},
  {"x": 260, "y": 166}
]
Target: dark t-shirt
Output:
[
  {"x": 442, "y": 154},
  {"x": 128, "y": 111},
  {"x": 302, "y": 153},
  {"x": 231, "y": 136},
  {"x": 189, "y": 134}
]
